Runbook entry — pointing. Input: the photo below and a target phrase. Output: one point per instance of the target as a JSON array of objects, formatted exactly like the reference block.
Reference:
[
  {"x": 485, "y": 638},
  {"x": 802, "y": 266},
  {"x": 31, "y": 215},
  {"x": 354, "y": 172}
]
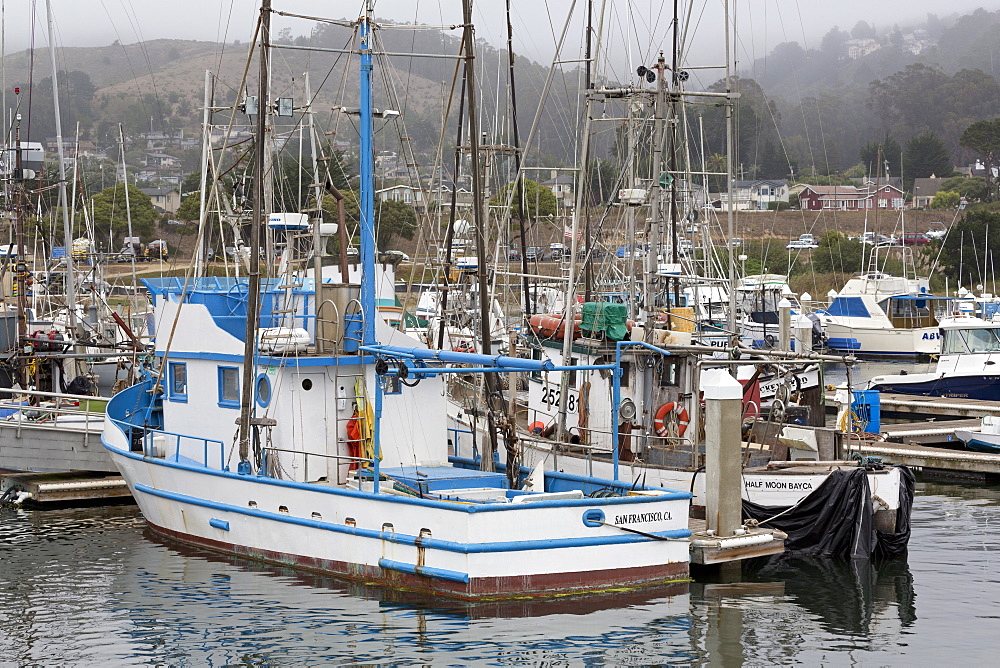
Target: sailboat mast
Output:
[
  {"x": 731, "y": 320},
  {"x": 253, "y": 287},
  {"x": 67, "y": 227}
]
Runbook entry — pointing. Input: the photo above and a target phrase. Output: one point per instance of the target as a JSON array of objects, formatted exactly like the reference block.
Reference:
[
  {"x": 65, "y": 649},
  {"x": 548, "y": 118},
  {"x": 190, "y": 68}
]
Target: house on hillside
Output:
[
  {"x": 423, "y": 199},
  {"x": 756, "y": 195},
  {"x": 167, "y": 200},
  {"x": 161, "y": 160},
  {"x": 561, "y": 186},
  {"x": 924, "y": 191},
  {"x": 851, "y": 198},
  {"x": 859, "y": 48}
]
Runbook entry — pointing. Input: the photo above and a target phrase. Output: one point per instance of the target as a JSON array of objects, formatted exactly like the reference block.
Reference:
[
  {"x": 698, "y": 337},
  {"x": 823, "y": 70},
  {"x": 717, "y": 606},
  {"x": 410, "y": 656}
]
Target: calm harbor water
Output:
[{"x": 92, "y": 586}]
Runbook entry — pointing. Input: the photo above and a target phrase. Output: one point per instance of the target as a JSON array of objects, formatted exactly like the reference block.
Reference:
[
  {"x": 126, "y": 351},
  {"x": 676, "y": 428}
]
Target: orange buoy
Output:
[{"x": 550, "y": 326}]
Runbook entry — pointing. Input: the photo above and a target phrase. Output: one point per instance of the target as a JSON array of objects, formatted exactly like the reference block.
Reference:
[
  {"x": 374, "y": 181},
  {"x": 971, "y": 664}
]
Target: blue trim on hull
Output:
[
  {"x": 983, "y": 388},
  {"x": 416, "y": 541},
  {"x": 976, "y": 445},
  {"x": 426, "y": 571}
]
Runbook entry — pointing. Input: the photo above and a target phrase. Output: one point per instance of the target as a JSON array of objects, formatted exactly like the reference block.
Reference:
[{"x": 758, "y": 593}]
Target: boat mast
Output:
[
  {"x": 731, "y": 320},
  {"x": 521, "y": 217},
  {"x": 568, "y": 321},
  {"x": 489, "y": 380},
  {"x": 367, "y": 199},
  {"x": 67, "y": 227},
  {"x": 253, "y": 287},
  {"x": 21, "y": 267}
]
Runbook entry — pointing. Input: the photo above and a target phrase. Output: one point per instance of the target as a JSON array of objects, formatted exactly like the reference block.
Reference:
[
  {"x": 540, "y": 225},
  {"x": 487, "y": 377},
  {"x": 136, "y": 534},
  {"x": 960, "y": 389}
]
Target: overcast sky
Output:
[{"x": 762, "y": 23}]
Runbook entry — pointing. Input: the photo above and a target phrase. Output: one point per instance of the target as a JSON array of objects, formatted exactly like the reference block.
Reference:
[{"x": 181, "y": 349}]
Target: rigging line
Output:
[
  {"x": 220, "y": 40},
  {"x": 131, "y": 67},
  {"x": 145, "y": 53}
]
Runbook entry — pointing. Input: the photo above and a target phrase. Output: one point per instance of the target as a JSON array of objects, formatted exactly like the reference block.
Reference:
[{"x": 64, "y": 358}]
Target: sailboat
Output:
[
  {"x": 68, "y": 344},
  {"x": 340, "y": 462}
]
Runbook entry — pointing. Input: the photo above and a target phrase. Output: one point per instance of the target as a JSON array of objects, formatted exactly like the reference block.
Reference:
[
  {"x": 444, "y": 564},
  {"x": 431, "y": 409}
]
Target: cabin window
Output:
[
  {"x": 229, "y": 387},
  {"x": 263, "y": 390},
  {"x": 178, "y": 381},
  {"x": 626, "y": 368},
  {"x": 669, "y": 374}
]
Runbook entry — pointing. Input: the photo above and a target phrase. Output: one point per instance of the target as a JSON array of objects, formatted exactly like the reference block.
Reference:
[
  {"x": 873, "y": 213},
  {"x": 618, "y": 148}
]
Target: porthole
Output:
[
  {"x": 263, "y": 390},
  {"x": 307, "y": 384},
  {"x": 252, "y": 504},
  {"x": 283, "y": 509},
  {"x": 317, "y": 516}
]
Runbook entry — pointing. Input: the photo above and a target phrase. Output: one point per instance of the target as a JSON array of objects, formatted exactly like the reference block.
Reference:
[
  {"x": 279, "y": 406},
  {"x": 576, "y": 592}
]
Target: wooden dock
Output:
[
  {"x": 906, "y": 404},
  {"x": 923, "y": 457},
  {"x": 62, "y": 487},
  {"x": 940, "y": 432}
]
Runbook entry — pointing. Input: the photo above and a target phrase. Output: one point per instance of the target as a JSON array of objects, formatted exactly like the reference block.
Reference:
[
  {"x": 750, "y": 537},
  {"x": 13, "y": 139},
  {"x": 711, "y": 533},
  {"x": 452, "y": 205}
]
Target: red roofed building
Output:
[{"x": 851, "y": 198}]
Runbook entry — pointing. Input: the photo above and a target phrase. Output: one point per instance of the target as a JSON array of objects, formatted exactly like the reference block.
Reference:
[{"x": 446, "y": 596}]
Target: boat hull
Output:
[
  {"x": 463, "y": 551},
  {"x": 860, "y": 340},
  {"x": 979, "y": 442},
  {"x": 980, "y": 387}
]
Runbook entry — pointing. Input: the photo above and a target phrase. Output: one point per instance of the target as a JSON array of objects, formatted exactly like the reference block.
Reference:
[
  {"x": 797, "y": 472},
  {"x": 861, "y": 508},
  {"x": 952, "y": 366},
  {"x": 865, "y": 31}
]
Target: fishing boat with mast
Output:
[
  {"x": 340, "y": 458},
  {"x": 646, "y": 415}
]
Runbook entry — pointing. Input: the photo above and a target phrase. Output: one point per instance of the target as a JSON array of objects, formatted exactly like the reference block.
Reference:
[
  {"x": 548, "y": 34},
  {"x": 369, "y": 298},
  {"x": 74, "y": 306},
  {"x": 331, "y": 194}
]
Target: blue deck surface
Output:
[{"x": 434, "y": 478}]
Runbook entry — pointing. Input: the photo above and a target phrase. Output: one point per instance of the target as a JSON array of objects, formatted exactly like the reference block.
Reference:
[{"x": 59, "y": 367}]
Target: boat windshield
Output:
[{"x": 985, "y": 340}]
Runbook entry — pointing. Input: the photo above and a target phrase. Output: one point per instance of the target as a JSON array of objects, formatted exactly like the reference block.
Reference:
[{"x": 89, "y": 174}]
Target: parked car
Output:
[
  {"x": 937, "y": 231},
  {"x": 882, "y": 240},
  {"x": 804, "y": 242},
  {"x": 393, "y": 256},
  {"x": 514, "y": 255},
  {"x": 533, "y": 253},
  {"x": 915, "y": 239},
  {"x": 736, "y": 243}
]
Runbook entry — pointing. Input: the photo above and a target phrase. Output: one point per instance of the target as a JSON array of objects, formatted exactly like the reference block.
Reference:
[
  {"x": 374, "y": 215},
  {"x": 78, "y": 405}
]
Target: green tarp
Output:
[{"x": 605, "y": 318}]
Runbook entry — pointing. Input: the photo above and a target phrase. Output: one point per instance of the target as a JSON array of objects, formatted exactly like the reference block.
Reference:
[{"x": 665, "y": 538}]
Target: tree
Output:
[
  {"x": 862, "y": 30},
  {"x": 833, "y": 43},
  {"x": 393, "y": 219},
  {"x": 983, "y": 137},
  {"x": 539, "y": 201},
  {"x": 973, "y": 189},
  {"x": 111, "y": 215},
  {"x": 972, "y": 229},
  {"x": 926, "y": 155},
  {"x": 875, "y": 154},
  {"x": 837, "y": 253},
  {"x": 945, "y": 199}
]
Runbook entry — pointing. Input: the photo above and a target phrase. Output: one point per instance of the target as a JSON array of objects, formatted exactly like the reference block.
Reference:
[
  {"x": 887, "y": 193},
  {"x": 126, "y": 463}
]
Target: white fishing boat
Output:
[
  {"x": 341, "y": 462},
  {"x": 966, "y": 367},
  {"x": 879, "y": 314}
]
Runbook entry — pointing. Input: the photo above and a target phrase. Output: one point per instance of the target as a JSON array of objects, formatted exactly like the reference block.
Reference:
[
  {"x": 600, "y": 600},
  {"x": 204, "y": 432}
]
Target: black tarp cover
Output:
[{"x": 835, "y": 520}]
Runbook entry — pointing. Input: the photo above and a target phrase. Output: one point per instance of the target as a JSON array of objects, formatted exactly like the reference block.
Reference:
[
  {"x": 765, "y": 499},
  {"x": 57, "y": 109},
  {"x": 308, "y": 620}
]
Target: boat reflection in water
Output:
[{"x": 779, "y": 609}]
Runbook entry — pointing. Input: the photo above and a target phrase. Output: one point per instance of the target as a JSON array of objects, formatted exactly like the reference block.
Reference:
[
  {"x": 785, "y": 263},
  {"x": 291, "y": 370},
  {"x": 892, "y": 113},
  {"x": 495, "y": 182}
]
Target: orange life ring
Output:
[
  {"x": 659, "y": 425},
  {"x": 683, "y": 419}
]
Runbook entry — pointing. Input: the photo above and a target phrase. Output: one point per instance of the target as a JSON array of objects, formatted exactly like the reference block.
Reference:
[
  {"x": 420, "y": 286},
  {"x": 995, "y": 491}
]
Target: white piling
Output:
[
  {"x": 723, "y": 461},
  {"x": 784, "y": 324}
]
